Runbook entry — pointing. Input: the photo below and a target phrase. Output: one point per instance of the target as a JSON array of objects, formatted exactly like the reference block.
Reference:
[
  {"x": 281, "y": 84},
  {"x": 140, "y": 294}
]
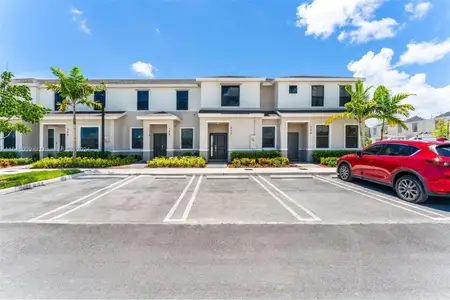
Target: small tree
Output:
[
  {"x": 388, "y": 108},
  {"x": 17, "y": 107},
  {"x": 442, "y": 129},
  {"x": 74, "y": 89},
  {"x": 360, "y": 108}
]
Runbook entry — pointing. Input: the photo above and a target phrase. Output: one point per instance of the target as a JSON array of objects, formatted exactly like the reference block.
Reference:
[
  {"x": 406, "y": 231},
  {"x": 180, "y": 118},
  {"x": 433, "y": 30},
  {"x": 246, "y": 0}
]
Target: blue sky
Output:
[{"x": 268, "y": 38}]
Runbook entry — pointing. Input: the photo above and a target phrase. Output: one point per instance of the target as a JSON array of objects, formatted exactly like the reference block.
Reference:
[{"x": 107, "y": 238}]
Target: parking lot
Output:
[{"x": 215, "y": 200}]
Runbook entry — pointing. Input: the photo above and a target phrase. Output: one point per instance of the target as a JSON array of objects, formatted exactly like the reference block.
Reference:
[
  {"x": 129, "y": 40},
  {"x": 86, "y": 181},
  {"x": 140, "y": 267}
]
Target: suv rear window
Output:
[
  {"x": 398, "y": 150},
  {"x": 443, "y": 151}
]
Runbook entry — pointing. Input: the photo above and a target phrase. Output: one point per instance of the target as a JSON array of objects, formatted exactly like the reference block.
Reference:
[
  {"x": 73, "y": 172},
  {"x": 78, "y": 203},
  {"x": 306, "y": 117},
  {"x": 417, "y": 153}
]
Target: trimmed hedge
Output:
[
  {"x": 89, "y": 154},
  {"x": 329, "y": 161},
  {"x": 10, "y": 162},
  {"x": 8, "y": 154},
  {"x": 276, "y": 162},
  {"x": 177, "y": 162},
  {"x": 318, "y": 154},
  {"x": 195, "y": 154},
  {"x": 83, "y": 162},
  {"x": 255, "y": 154}
]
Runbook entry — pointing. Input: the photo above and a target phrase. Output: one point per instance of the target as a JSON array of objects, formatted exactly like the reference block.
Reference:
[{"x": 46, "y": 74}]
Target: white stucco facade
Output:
[{"x": 262, "y": 114}]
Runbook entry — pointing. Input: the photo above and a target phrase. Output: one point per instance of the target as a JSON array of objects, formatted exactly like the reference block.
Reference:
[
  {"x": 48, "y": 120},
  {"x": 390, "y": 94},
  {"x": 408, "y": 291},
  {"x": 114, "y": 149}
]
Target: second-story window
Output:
[
  {"x": 142, "y": 100},
  {"x": 317, "y": 95},
  {"x": 230, "y": 95},
  {"x": 58, "y": 100},
  {"x": 344, "y": 96},
  {"x": 292, "y": 89},
  {"x": 100, "y": 97},
  {"x": 414, "y": 127},
  {"x": 182, "y": 100}
]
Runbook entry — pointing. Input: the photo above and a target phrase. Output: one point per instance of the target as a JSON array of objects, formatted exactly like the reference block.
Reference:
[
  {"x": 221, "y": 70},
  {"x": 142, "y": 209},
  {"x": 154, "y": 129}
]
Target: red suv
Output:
[{"x": 415, "y": 169}]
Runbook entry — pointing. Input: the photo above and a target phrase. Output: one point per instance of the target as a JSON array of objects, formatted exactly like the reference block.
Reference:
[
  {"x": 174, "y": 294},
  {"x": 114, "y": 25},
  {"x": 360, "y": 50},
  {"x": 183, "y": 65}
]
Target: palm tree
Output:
[
  {"x": 74, "y": 89},
  {"x": 360, "y": 108},
  {"x": 389, "y": 108}
]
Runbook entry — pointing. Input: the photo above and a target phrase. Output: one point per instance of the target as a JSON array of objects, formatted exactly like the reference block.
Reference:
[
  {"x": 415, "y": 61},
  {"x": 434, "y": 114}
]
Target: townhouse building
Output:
[{"x": 213, "y": 116}]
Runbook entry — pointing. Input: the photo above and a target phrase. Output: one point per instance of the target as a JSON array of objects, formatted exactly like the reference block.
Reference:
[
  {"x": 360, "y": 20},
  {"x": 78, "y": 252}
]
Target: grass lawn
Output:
[{"x": 11, "y": 180}]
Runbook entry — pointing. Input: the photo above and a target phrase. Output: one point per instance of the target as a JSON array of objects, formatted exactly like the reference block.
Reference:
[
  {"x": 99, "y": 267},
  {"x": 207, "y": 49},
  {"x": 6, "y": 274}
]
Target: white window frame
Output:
[
  {"x": 262, "y": 137},
  {"x": 2, "y": 142},
  {"x": 193, "y": 138},
  {"x": 131, "y": 138},
  {"x": 329, "y": 135},
  {"x": 79, "y": 136},
  {"x": 358, "y": 138}
]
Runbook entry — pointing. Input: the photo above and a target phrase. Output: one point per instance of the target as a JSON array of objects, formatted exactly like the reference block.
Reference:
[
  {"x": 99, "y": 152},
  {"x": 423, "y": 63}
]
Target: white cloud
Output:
[
  {"x": 378, "y": 69},
  {"x": 424, "y": 52},
  {"x": 323, "y": 17},
  {"x": 144, "y": 69},
  {"x": 82, "y": 22},
  {"x": 370, "y": 30},
  {"x": 418, "y": 11}
]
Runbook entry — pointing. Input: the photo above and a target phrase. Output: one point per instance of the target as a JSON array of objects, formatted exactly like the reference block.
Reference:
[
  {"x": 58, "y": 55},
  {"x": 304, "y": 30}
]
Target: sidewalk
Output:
[{"x": 212, "y": 171}]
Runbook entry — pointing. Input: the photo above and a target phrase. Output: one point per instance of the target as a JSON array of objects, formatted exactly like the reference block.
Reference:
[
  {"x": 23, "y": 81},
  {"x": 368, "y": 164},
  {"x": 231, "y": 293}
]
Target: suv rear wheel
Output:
[
  {"x": 344, "y": 172},
  {"x": 410, "y": 189}
]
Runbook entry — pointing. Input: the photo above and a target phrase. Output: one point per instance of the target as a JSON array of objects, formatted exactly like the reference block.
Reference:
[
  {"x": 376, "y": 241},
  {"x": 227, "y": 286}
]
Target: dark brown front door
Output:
[
  {"x": 293, "y": 145},
  {"x": 159, "y": 144},
  {"x": 62, "y": 141},
  {"x": 218, "y": 146}
]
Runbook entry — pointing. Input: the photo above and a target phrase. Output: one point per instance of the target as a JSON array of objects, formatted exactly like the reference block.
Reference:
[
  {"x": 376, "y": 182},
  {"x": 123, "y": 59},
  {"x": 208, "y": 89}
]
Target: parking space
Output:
[{"x": 214, "y": 200}]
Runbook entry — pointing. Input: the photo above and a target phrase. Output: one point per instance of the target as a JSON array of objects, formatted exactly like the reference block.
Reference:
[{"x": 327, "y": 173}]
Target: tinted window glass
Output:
[
  {"x": 443, "y": 151},
  {"x": 268, "y": 137},
  {"x": 10, "y": 141},
  {"x": 182, "y": 100},
  {"x": 317, "y": 95},
  {"x": 292, "y": 89},
  {"x": 396, "y": 150},
  {"x": 322, "y": 136},
  {"x": 344, "y": 96},
  {"x": 373, "y": 150},
  {"x": 142, "y": 100},
  {"x": 187, "y": 138},
  {"x": 89, "y": 137},
  {"x": 351, "y": 136},
  {"x": 137, "y": 138},
  {"x": 100, "y": 97},
  {"x": 230, "y": 95},
  {"x": 58, "y": 100}
]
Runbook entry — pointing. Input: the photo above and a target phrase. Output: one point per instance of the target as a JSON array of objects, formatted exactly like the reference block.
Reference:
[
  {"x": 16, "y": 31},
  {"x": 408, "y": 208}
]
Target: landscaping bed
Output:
[
  {"x": 177, "y": 162},
  {"x": 11, "y": 162},
  {"x": 328, "y": 161},
  {"x": 84, "y": 162},
  {"x": 259, "y": 159},
  {"x": 12, "y": 180}
]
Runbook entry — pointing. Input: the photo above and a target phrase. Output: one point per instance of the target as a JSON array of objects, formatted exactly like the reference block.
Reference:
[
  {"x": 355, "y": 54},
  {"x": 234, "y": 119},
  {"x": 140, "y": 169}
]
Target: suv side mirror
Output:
[{"x": 359, "y": 153}]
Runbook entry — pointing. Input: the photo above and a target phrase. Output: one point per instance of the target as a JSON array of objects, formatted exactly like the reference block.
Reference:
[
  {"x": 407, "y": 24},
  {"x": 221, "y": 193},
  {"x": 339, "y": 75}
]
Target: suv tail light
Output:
[{"x": 439, "y": 162}]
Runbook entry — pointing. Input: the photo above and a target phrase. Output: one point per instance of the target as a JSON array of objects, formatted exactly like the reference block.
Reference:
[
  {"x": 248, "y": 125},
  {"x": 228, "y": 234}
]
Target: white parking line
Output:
[
  {"x": 175, "y": 206},
  {"x": 98, "y": 197},
  {"x": 379, "y": 199},
  {"x": 316, "y": 218},
  {"x": 366, "y": 190},
  {"x": 191, "y": 201},
  {"x": 78, "y": 200},
  {"x": 282, "y": 203}
]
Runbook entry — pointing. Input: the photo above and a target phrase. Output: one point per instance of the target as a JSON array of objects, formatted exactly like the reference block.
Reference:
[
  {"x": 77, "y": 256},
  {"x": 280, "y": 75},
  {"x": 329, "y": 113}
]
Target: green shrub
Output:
[
  {"x": 177, "y": 162},
  {"x": 318, "y": 154},
  {"x": 89, "y": 154},
  {"x": 260, "y": 162},
  {"x": 255, "y": 154},
  {"x": 10, "y": 162},
  {"x": 83, "y": 162},
  {"x": 8, "y": 154},
  {"x": 190, "y": 154},
  {"x": 329, "y": 161}
]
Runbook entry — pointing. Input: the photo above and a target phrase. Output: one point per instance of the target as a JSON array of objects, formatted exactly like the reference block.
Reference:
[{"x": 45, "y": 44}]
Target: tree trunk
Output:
[
  {"x": 382, "y": 130},
  {"x": 362, "y": 134},
  {"x": 74, "y": 123}
]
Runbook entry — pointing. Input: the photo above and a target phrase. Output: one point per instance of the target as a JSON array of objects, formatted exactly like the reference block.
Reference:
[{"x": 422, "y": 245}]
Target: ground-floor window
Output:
[
  {"x": 50, "y": 138},
  {"x": 10, "y": 141},
  {"x": 89, "y": 137},
  {"x": 187, "y": 138},
  {"x": 322, "y": 136},
  {"x": 351, "y": 136},
  {"x": 268, "y": 136},
  {"x": 137, "y": 138}
]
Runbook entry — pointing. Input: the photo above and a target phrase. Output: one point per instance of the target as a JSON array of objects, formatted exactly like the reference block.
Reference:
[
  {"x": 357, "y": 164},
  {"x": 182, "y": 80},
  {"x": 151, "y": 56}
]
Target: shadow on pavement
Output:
[{"x": 438, "y": 203}]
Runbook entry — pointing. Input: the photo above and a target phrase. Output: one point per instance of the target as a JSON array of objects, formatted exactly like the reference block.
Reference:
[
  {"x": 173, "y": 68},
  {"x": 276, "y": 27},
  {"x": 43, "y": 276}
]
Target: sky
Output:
[{"x": 403, "y": 44}]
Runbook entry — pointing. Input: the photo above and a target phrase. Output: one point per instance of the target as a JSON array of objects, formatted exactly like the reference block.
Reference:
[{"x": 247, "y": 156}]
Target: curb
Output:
[
  {"x": 39, "y": 183},
  {"x": 87, "y": 172}
]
